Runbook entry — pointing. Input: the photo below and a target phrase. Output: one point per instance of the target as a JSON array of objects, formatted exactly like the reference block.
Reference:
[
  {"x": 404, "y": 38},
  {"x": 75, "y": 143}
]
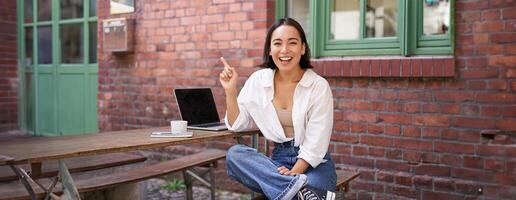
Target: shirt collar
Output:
[{"x": 307, "y": 79}]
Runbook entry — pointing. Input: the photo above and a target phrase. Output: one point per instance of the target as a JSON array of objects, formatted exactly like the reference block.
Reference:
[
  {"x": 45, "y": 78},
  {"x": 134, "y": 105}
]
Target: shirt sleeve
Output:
[
  {"x": 244, "y": 121},
  {"x": 319, "y": 126}
]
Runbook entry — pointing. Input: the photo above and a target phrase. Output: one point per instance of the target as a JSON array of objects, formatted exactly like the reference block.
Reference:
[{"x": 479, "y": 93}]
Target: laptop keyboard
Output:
[{"x": 209, "y": 124}]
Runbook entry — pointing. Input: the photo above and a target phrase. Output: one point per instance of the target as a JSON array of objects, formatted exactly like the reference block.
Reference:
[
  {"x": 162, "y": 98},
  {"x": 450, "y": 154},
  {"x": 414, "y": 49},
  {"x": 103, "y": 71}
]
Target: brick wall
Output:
[
  {"x": 435, "y": 138},
  {"x": 8, "y": 73},
  {"x": 178, "y": 44},
  {"x": 447, "y": 135}
]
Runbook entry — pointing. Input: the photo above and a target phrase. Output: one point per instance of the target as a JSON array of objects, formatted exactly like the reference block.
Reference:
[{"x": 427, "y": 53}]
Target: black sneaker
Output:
[{"x": 312, "y": 193}]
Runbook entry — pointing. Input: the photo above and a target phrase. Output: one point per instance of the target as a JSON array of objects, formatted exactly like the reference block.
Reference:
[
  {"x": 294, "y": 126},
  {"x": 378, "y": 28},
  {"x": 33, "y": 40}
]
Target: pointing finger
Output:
[
  {"x": 228, "y": 71},
  {"x": 225, "y": 63}
]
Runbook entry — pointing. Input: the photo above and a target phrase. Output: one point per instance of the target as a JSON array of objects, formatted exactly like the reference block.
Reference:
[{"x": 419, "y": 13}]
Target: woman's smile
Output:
[{"x": 285, "y": 60}]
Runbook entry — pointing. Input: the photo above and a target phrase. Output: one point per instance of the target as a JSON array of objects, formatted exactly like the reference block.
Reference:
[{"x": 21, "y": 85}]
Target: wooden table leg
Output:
[
  {"x": 35, "y": 169},
  {"x": 70, "y": 191},
  {"x": 24, "y": 178}
]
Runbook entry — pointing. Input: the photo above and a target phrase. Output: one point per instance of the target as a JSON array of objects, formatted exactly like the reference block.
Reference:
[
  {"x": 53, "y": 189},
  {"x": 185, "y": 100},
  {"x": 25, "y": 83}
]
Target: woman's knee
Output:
[
  {"x": 235, "y": 152},
  {"x": 323, "y": 177},
  {"x": 236, "y": 149}
]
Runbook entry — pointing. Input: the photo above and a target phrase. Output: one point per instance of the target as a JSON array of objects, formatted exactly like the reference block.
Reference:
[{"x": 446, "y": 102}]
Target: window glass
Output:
[
  {"x": 381, "y": 18},
  {"x": 71, "y": 9},
  {"x": 436, "y": 17},
  {"x": 345, "y": 20},
  {"x": 28, "y": 47},
  {"x": 45, "y": 45},
  {"x": 44, "y": 10},
  {"x": 121, "y": 6},
  {"x": 93, "y": 8},
  {"x": 71, "y": 43},
  {"x": 28, "y": 11},
  {"x": 93, "y": 42},
  {"x": 299, "y": 10}
]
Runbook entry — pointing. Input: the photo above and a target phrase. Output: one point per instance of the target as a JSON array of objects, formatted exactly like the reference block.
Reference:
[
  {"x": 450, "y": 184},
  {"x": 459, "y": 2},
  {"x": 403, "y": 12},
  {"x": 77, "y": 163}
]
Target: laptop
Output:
[{"x": 197, "y": 106}]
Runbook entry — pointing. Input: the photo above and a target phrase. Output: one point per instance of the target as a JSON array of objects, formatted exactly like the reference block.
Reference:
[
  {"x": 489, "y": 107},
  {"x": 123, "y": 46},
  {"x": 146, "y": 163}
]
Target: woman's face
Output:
[{"x": 286, "y": 47}]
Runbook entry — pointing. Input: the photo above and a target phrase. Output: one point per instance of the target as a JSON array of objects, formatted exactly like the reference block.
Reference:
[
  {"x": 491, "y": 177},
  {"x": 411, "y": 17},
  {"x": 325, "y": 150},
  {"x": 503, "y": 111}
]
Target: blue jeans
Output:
[{"x": 260, "y": 173}]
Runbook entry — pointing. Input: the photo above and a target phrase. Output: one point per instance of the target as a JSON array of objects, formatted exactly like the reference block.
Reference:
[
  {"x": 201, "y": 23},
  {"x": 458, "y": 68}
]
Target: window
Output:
[{"x": 373, "y": 27}]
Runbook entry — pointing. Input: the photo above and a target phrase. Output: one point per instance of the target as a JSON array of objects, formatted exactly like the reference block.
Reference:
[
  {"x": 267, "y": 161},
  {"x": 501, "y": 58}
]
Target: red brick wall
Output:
[
  {"x": 8, "y": 70},
  {"x": 178, "y": 44},
  {"x": 421, "y": 138},
  {"x": 411, "y": 136}
]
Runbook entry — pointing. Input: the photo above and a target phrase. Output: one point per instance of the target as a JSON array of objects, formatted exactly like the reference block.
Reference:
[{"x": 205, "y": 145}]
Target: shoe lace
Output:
[{"x": 306, "y": 194}]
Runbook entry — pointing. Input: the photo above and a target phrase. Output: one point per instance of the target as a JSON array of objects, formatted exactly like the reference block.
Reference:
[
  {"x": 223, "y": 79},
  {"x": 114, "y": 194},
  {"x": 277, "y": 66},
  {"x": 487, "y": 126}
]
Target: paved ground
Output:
[{"x": 155, "y": 191}]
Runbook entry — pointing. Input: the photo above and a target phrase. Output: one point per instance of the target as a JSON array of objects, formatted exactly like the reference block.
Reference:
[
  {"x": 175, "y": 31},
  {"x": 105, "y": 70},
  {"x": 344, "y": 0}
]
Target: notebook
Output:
[{"x": 197, "y": 106}]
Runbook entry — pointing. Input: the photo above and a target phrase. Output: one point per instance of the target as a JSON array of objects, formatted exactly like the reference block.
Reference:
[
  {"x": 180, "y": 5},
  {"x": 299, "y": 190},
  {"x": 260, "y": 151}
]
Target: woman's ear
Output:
[{"x": 304, "y": 49}]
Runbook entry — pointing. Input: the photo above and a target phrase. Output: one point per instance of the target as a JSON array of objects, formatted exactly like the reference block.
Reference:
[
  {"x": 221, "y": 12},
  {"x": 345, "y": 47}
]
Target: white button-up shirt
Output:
[{"x": 312, "y": 113}]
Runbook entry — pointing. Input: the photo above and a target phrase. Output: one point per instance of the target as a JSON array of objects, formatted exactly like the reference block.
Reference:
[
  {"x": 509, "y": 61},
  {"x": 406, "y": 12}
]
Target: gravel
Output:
[{"x": 155, "y": 191}]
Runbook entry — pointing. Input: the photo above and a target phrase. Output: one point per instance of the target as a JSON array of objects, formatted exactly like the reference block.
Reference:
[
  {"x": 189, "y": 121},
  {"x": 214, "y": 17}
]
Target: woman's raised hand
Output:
[{"x": 228, "y": 77}]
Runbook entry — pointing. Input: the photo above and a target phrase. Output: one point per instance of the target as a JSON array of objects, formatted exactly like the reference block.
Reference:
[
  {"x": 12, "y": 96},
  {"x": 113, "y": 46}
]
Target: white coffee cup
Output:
[{"x": 178, "y": 126}]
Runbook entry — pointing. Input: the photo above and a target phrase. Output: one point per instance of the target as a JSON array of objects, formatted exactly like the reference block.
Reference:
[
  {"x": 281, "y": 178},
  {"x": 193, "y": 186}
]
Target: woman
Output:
[{"x": 293, "y": 107}]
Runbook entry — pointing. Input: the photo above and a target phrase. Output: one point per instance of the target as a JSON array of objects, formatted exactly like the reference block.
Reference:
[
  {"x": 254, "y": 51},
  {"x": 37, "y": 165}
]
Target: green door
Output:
[{"x": 58, "y": 66}]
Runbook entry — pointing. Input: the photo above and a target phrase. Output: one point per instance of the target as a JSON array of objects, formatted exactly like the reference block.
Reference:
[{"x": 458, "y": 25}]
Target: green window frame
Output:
[{"x": 409, "y": 41}]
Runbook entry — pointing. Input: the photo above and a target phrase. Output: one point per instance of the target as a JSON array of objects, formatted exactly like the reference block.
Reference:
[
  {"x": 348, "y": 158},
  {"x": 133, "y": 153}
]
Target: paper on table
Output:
[{"x": 170, "y": 135}]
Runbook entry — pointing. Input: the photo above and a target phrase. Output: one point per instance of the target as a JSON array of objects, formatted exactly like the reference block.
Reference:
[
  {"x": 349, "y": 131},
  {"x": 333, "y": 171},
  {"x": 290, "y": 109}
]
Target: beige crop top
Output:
[{"x": 285, "y": 118}]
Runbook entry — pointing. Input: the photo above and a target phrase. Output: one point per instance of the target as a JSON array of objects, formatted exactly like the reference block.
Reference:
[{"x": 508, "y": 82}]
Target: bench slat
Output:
[
  {"x": 344, "y": 177},
  {"x": 151, "y": 171},
  {"x": 132, "y": 175},
  {"x": 78, "y": 164}
]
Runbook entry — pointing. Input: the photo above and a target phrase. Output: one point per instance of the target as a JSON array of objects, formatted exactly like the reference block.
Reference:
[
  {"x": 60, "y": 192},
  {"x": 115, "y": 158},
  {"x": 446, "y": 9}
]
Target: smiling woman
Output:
[{"x": 292, "y": 106}]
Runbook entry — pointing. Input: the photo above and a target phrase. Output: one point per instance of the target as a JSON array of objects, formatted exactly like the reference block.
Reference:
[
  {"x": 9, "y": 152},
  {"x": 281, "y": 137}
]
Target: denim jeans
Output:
[{"x": 260, "y": 173}]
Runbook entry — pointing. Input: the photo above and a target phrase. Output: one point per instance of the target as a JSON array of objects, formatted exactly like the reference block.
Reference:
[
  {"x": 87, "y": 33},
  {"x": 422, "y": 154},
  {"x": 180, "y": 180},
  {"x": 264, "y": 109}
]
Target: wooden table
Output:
[
  {"x": 37, "y": 149},
  {"x": 34, "y": 150}
]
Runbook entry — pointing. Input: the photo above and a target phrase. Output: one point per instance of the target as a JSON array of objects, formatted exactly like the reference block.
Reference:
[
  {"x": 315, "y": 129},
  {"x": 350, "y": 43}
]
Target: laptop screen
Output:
[{"x": 197, "y": 105}]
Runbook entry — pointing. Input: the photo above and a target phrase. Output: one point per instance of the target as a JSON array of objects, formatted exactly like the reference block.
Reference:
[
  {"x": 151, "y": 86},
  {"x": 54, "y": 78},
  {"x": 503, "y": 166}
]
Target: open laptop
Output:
[{"x": 196, "y": 105}]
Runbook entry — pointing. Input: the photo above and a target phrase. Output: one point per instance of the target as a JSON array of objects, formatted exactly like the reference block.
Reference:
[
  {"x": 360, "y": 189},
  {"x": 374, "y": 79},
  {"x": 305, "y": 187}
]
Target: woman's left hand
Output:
[
  {"x": 285, "y": 171},
  {"x": 299, "y": 168}
]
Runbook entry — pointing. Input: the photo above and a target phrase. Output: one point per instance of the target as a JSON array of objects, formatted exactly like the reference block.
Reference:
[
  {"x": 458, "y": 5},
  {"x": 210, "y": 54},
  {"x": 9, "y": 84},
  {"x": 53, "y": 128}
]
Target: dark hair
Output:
[{"x": 267, "y": 60}]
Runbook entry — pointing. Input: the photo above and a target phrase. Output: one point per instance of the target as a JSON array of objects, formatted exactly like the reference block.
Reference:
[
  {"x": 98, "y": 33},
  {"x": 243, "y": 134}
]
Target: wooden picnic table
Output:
[{"x": 35, "y": 149}]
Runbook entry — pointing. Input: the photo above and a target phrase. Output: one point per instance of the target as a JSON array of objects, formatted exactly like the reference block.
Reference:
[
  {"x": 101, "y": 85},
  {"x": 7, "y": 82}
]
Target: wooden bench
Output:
[
  {"x": 209, "y": 157},
  {"x": 344, "y": 177},
  {"x": 79, "y": 164}
]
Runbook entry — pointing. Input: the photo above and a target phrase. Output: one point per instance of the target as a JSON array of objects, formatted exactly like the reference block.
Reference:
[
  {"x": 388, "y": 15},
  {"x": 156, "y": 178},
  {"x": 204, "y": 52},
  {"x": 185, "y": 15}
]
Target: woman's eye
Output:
[
  {"x": 276, "y": 44},
  {"x": 293, "y": 43}
]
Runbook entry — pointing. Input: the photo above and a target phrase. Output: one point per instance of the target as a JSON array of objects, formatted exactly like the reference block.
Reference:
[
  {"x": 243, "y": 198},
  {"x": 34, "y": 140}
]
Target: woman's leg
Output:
[
  {"x": 260, "y": 173},
  {"x": 323, "y": 176}
]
